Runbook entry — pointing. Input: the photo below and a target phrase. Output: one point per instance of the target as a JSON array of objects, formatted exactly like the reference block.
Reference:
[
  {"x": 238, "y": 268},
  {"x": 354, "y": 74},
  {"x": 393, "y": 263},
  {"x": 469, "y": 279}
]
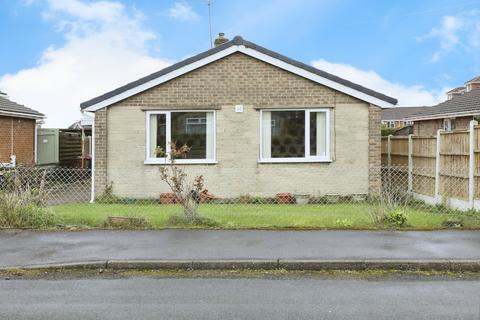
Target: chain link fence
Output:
[{"x": 418, "y": 199}]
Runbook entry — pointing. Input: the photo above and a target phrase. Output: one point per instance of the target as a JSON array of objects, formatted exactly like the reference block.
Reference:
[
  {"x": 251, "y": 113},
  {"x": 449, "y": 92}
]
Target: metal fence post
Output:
[
  {"x": 471, "y": 165},
  {"x": 410, "y": 163},
  {"x": 437, "y": 167}
]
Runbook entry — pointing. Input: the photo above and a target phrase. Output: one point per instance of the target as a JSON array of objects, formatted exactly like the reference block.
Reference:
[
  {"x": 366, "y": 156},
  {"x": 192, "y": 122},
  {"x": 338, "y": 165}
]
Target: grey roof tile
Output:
[
  {"x": 400, "y": 113},
  {"x": 238, "y": 41},
  {"x": 468, "y": 102},
  {"x": 10, "y": 106}
]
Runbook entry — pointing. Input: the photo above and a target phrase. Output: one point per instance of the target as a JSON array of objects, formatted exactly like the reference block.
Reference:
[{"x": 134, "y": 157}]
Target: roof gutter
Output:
[
  {"x": 21, "y": 115},
  {"x": 444, "y": 115}
]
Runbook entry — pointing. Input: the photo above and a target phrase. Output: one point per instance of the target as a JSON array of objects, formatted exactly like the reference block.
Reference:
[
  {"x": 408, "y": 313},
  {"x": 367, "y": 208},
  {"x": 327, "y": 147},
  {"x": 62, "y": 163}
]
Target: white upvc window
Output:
[
  {"x": 295, "y": 135},
  {"x": 194, "y": 128},
  {"x": 449, "y": 124}
]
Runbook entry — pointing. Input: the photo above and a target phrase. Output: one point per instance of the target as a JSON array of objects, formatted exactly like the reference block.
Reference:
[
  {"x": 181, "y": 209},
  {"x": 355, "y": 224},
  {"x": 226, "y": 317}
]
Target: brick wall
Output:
[
  {"x": 430, "y": 127},
  {"x": 374, "y": 149},
  {"x": 17, "y": 137},
  {"x": 239, "y": 79},
  {"x": 100, "y": 151}
]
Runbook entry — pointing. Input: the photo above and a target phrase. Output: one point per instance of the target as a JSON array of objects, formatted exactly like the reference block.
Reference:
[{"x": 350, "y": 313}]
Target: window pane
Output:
[
  {"x": 195, "y": 129},
  {"x": 318, "y": 134},
  {"x": 158, "y": 137},
  {"x": 287, "y": 130}
]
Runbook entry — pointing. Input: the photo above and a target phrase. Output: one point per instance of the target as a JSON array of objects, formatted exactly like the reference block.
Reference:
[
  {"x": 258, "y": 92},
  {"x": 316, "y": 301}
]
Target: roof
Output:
[
  {"x": 466, "y": 104},
  {"x": 476, "y": 79},
  {"x": 8, "y": 107},
  {"x": 85, "y": 122},
  {"x": 457, "y": 89},
  {"x": 238, "y": 44},
  {"x": 400, "y": 113}
]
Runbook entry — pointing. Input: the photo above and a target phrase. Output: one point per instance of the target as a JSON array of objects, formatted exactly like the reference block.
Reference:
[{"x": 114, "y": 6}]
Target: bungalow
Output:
[
  {"x": 18, "y": 126},
  {"x": 462, "y": 106},
  {"x": 395, "y": 118},
  {"x": 258, "y": 123}
]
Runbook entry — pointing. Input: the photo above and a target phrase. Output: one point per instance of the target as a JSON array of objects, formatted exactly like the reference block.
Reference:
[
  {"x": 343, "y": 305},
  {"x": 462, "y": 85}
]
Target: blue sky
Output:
[{"x": 57, "y": 53}]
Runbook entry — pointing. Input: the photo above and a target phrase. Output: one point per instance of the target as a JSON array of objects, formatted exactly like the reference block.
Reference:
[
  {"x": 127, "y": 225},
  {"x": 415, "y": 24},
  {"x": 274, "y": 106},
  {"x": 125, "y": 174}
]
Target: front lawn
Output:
[{"x": 258, "y": 216}]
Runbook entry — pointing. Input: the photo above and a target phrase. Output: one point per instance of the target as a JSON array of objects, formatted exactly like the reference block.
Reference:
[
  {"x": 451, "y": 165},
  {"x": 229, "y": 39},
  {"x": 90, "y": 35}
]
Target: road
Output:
[
  {"x": 239, "y": 298},
  {"x": 33, "y": 247}
]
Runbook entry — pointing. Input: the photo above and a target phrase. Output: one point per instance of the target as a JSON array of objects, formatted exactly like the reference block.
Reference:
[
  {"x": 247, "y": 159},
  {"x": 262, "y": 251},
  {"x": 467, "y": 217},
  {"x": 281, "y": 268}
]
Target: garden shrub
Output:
[
  {"x": 22, "y": 209},
  {"x": 453, "y": 223},
  {"x": 344, "y": 223},
  {"x": 396, "y": 217}
]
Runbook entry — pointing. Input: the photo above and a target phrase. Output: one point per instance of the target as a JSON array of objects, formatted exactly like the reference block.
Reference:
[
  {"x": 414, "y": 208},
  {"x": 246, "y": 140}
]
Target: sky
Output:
[{"x": 55, "y": 54}]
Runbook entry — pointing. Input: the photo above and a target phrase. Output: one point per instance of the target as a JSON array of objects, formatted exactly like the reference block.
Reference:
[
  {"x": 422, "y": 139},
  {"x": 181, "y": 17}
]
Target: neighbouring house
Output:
[
  {"x": 18, "y": 126},
  {"x": 462, "y": 106},
  {"x": 258, "y": 123},
  {"x": 395, "y": 118}
]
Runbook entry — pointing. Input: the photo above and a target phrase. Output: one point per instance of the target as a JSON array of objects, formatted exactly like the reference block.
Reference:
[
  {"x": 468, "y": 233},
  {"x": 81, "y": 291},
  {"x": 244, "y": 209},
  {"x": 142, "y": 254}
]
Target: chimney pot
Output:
[{"x": 220, "y": 39}]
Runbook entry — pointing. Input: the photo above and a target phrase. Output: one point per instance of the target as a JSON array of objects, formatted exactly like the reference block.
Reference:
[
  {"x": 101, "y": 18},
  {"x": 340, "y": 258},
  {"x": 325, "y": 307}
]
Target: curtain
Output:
[
  {"x": 266, "y": 134},
  {"x": 210, "y": 135},
  {"x": 153, "y": 135},
  {"x": 321, "y": 134}
]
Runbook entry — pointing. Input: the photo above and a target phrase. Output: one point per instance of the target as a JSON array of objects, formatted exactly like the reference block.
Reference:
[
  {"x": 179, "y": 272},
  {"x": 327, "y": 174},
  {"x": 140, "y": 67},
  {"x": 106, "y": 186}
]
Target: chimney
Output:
[
  {"x": 221, "y": 39},
  {"x": 455, "y": 92},
  {"x": 473, "y": 84}
]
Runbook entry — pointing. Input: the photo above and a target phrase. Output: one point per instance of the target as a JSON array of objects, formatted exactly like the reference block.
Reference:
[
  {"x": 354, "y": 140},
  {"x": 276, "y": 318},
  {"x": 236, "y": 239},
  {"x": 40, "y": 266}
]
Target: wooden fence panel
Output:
[
  {"x": 449, "y": 175},
  {"x": 476, "y": 162},
  {"x": 454, "y": 164},
  {"x": 423, "y": 164},
  {"x": 399, "y": 151},
  {"x": 70, "y": 148}
]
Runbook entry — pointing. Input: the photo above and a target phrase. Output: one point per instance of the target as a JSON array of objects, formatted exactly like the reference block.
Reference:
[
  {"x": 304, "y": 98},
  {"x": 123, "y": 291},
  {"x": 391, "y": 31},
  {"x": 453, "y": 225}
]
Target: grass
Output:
[{"x": 256, "y": 216}]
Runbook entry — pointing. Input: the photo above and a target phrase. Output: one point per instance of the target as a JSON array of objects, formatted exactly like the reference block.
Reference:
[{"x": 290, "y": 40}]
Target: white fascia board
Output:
[
  {"x": 314, "y": 77},
  {"x": 169, "y": 76},
  {"x": 250, "y": 52}
]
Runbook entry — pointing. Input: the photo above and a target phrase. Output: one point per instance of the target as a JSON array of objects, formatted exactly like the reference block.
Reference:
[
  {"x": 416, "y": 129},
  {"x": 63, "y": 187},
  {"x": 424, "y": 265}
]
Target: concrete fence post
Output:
[
  {"x": 389, "y": 150},
  {"x": 471, "y": 165},
  {"x": 410, "y": 163},
  {"x": 437, "y": 167}
]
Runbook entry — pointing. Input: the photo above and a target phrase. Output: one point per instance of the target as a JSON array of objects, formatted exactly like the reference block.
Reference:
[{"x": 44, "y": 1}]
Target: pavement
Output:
[
  {"x": 243, "y": 298},
  {"x": 204, "y": 249}
]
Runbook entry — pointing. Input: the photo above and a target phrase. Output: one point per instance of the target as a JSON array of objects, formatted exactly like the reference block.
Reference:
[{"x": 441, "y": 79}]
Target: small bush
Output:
[
  {"x": 397, "y": 217},
  {"x": 21, "y": 210},
  {"x": 344, "y": 223},
  {"x": 453, "y": 223},
  {"x": 107, "y": 195}
]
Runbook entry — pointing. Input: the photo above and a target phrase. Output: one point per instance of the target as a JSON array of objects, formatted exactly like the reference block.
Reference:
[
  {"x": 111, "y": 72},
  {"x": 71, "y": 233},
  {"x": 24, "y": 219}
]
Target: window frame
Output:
[
  {"x": 168, "y": 122},
  {"x": 308, "y": 157}
]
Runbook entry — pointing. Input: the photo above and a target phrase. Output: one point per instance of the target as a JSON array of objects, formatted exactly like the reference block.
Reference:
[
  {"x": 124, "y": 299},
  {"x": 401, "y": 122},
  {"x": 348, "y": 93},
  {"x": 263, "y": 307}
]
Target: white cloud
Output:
[
  {"x": 455, "y": 32},
  {"x": 415, "y": 95},
  {"x": 105, "y": 47},
  {"x": 183, "y": 11}
]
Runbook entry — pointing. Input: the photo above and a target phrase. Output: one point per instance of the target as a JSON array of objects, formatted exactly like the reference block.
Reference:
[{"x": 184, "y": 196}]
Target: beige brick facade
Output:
[{"x": 120, "y": 134}]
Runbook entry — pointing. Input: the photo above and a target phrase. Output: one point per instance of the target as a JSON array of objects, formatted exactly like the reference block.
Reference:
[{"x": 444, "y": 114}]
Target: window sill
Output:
[
  {"x": 199, "y": 161},
  {"x": 294, "y": 160}
]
